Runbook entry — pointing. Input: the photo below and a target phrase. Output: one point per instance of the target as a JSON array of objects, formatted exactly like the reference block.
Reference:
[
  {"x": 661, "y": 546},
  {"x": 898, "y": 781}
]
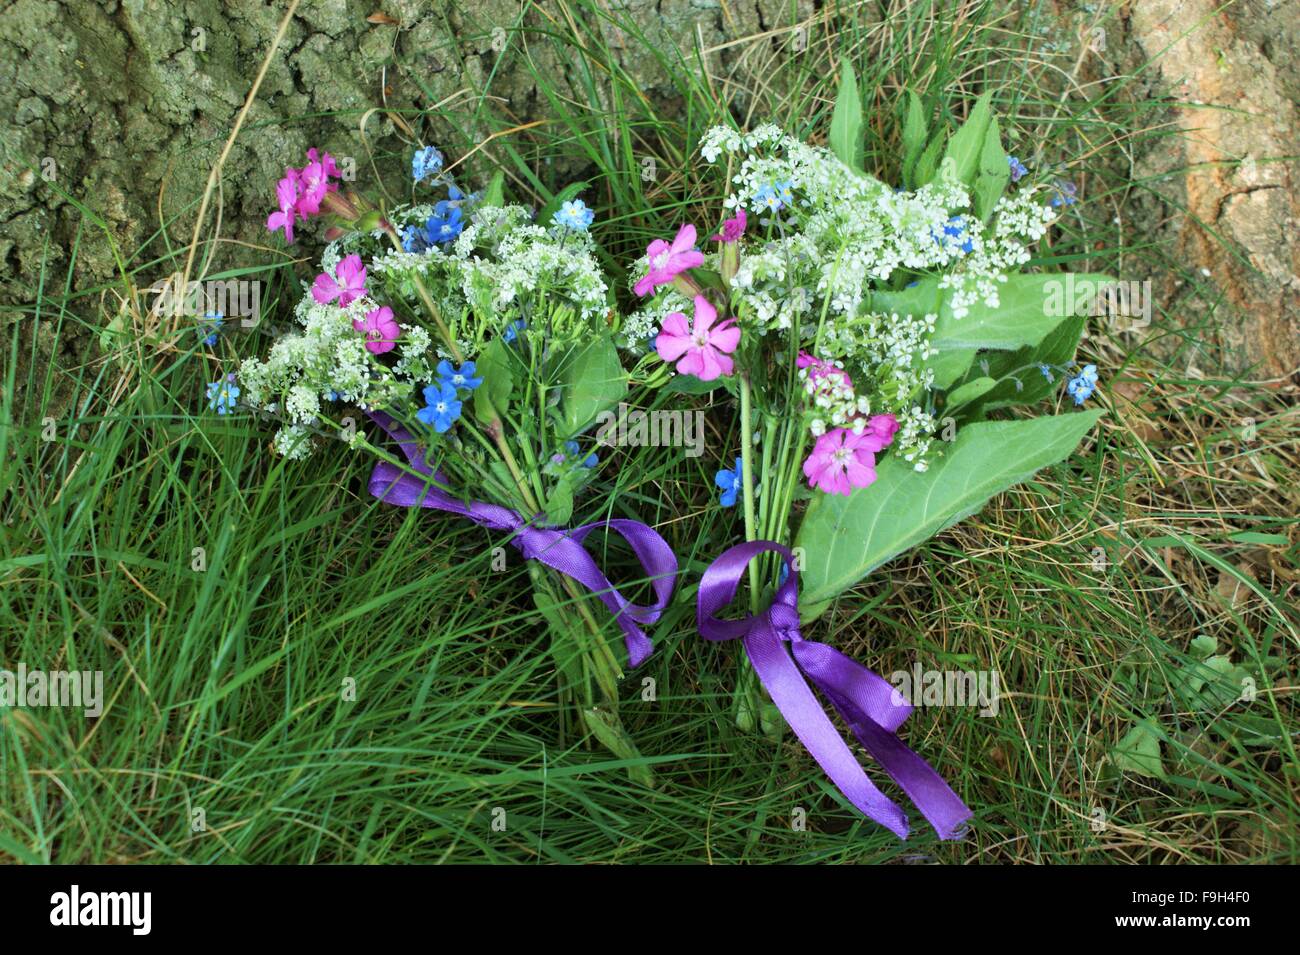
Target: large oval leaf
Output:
[
  {"x": 593, "y": 381},
  {"x": 846, "y": 538}
]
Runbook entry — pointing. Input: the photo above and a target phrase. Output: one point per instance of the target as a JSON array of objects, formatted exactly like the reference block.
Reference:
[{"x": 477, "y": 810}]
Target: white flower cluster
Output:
[
  {"x": 827, "y": 236},
  {"x": 494, "y": 272},
  {"x": 506, "y": 257},
  {"x": 328, "y": 361}
]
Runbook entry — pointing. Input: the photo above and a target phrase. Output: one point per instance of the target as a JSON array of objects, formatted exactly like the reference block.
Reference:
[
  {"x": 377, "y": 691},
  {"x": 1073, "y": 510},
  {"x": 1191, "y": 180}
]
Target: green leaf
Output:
[
  {"x": 559, "y": 504},
  {"x": 967, "y": 144},
  {"x": 560, "y": 198},
  {"x": 1139, "y": 751},
  {"x": 1029, "y": 306},
  {"x": 690, "y": 385},
  {"x": 993, "y": 175},
  {"x": 1057, "y": 348},
  {"x": 495, "y": 193},
  {"x": 929, "y": 161},
  {"x": 846, "y": 120},
  {"x": 608, "y": 729},
  {"x": 593, "y": 380},
  {"x": 914, "y": 130},
  {"x": 847, "y": 537},
  {"x": 969, "y": 391},
  {"x": 496, "y": 369}
]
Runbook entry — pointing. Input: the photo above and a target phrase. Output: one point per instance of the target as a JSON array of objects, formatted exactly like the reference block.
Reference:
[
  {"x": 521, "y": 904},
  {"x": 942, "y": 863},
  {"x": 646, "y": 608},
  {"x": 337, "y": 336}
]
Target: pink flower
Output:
[
  {"x": 327, "y": 164},
  {"x": 301, "y": 191},
  {"x": 884, "y": 427},
  {"x": 823, "y": 370},
  {"x": 842, "y": 460},
  {"x": 381, "y": 330},
  {"x": 669, "y": 261},
  {"x": 732, "y": 229},
  {"x": 286, "y": 193},
  {"x": 701, "y": 348},
  {"x": 351, "y": 284}
]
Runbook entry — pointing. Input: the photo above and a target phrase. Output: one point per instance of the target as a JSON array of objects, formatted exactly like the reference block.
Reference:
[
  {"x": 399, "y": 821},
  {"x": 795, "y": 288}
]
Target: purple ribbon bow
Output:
[
  {"x": 558, "y": 549},
  {"x": 869, "y": 704}
]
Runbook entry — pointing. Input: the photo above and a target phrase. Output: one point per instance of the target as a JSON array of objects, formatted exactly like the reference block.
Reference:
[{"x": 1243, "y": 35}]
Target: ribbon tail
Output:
[
  {"x": 874, "y": 710},
  {"x": 569, "y": 557},
  {"x": 804, "y": 712}
]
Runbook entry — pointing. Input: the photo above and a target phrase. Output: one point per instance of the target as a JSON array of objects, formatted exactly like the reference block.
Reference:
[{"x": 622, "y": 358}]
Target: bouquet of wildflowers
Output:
[
  {"x": 866, "y": 332},
  {"x": 477, "y": 339}
]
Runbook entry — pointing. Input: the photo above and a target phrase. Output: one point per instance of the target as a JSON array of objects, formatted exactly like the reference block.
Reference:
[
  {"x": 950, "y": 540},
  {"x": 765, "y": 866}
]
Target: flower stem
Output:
[{"x": 747, "y": 480}]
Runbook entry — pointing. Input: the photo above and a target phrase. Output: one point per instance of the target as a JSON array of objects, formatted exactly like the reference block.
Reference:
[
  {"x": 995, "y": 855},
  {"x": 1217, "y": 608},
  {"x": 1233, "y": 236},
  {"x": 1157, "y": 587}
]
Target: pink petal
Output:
[
  {"x": 860, "y": 473},
  {"x": 682, "y": 261},
  {"x": 710, "y": 368},
  {"x": 725, "y": 364},
  {"x": 325, "y": 289},
  {"x": 671, "y": 347},
  {"x": 692, "y": 364},
  {"x": 645, "y": 284},
  {"x": 685, "y": 239},
  {"x": 705, "y": 314},
  {"x": 725, "y": 337}
]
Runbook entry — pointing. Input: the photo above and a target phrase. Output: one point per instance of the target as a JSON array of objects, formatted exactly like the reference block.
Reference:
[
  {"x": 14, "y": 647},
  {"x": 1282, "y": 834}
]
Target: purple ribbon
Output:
[
  {"x": 561, "y": 550},
  {"x": 869, "y": 704}
]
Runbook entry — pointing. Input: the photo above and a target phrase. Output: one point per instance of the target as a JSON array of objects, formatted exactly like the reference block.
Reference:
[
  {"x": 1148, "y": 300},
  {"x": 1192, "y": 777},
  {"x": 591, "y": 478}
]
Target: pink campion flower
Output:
[
  {"x": 667, "y": 261},
  {"x": 732, "y": 229},
  {"x": 314, "y": 180},
  {"x": 842, "y": 460},
  {"x": 287, "y": 192},
  {"x": 350, "y": 284},
  {"x": 884, "y": 427},
  {"x": 327, "y": 164},
  {"x": 703, "y": 349},
  {"x": 822, "y": 370},
  {"x": 313, "y": 184},
  {"x": 381, "y": 330}
]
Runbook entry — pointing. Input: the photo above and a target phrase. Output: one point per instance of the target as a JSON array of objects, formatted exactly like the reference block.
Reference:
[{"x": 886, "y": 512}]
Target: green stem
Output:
[{"x": 747, "y": 480}]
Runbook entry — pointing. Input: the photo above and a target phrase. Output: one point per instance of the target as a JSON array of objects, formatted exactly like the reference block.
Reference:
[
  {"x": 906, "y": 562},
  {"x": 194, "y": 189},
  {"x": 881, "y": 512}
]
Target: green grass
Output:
[{"x": 227, "y": 688}]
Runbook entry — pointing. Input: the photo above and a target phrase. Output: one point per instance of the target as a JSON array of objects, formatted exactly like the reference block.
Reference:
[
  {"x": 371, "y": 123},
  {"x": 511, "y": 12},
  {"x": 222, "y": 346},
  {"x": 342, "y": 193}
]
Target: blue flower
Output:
[
  {"x": 210, "y": 326},
  {"x": 1083, "y": 385},
  {"x": 1063, "y": 193},
  {"x": 954, "y": 232},
  {"x": 441, "y": 407},
  {"x": 425, "y": 163},
  {"x": 572, "y": 450},
  {"x": 222, "y": 394},
  {"x": 415, "y": 239},
  {"x": 445, "y": 223},
  {"x": 767, "y": 197},
  {"x": 575, "y": 215},
  {"x": 1018, "y": 169},
  {"x": 1047, "y": 372},
  {"x": 730, "y": 482},
  {"x": 512, "y": 330},
  {"x": 785, "y": 192},
  {"x": 458, "y": 378}
]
